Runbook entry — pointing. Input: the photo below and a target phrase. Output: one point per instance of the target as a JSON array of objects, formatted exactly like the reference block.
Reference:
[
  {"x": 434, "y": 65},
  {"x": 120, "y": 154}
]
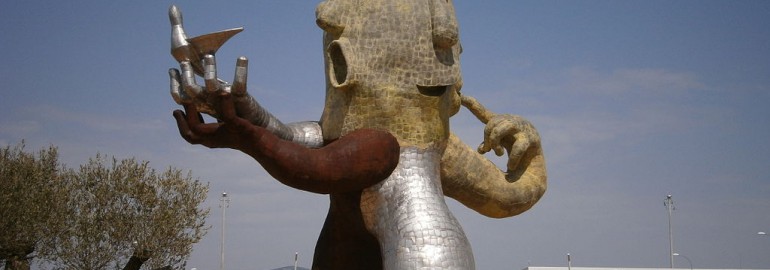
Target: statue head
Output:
[
  {"x": 410, "y": 41},
  {"x": 393, "y": 47}
]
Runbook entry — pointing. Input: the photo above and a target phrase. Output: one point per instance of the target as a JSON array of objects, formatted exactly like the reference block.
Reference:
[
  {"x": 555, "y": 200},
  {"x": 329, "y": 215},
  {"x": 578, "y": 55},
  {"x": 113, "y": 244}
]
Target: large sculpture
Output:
[{"x": 382, "y": 149}]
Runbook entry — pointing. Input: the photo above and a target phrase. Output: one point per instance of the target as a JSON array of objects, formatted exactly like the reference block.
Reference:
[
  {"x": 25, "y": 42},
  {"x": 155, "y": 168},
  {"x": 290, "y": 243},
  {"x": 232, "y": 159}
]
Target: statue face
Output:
[
  {"x": 414, "y": 42},
  {"x": 390, "y": 61}
]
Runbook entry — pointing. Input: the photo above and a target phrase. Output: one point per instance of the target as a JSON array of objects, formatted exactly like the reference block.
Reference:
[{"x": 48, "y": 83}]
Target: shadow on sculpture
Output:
[{"x": 382, "y": 149}]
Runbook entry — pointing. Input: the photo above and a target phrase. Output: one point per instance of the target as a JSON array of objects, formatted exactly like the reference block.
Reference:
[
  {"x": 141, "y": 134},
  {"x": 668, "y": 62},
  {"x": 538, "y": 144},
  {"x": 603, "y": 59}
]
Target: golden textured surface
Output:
[
  {"x": 473, "y": 180},
  {"x": 385, "y": 70}
]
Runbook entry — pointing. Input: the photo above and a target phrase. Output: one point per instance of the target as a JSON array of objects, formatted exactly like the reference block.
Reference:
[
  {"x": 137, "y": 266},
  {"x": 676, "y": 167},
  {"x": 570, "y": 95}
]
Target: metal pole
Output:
[
  {"x": 296, "y": 254},
  {"x": 225, "y": 202},
  {"x": 569, "y": 262},
  {"x": 669, "y": 203}
]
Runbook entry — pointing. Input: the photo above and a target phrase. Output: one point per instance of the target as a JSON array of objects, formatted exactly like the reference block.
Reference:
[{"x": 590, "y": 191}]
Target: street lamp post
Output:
[
  {"x": 225, "y": 203},
  {"x": 669, "y": 203},
  {"x": 680, "y": 255}
]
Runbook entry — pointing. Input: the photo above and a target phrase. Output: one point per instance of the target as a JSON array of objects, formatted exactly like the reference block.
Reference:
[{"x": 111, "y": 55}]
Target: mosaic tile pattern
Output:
[
  {"x": 306, "y": 133},
  {"x": 409, "y": 217},
  {"x": 386, "y": 69}
]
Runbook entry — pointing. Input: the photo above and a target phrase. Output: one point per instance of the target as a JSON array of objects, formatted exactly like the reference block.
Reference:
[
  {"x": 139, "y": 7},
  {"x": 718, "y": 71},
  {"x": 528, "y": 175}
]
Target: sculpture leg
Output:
[
  {"x": 344, "y": 242},
  {"x": 408, "y": 215}
]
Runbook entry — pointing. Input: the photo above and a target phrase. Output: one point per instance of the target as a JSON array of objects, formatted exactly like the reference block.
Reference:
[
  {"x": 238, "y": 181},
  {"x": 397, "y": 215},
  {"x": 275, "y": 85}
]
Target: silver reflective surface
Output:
[
  {"x": 408, "y": 215},
  {"x": 307, "y": 134}
]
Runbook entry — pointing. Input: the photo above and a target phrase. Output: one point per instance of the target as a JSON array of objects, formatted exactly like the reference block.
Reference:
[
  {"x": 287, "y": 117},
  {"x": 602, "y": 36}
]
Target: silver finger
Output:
[
  {"x": 191, "y": 87},
  {"x": 241, "y": 75},
  {"x": 210, "y": 73},
  {"x": 176, "y": 86}
]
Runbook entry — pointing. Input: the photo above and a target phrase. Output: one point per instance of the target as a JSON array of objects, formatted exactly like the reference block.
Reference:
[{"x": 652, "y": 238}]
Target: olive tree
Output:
[
  {"x": 125, "y": 213},
  {"x": 106, "y": 214},
  {"x": 30, "y": 203}
]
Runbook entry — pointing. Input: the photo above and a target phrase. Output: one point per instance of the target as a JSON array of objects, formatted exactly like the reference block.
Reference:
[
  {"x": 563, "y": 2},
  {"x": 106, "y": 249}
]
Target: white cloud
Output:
[{"x": 623, "y": 81}]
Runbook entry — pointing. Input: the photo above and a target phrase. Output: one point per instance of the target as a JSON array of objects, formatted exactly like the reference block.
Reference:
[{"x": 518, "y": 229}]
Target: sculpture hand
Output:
[
  {"x": 229, "y": 133},
  {"x": 186, "y": 91},
  {"x": 214, "y": 98},
  {"x": 514, "y": 134}
]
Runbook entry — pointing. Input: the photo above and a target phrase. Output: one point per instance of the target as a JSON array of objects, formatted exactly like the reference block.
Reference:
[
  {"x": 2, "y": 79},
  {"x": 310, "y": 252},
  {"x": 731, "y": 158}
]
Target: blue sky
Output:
[{"x": 634, "y": 100}]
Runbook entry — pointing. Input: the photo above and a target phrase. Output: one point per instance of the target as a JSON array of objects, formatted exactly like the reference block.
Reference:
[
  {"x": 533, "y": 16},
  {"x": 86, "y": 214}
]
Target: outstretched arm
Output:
[
  {"x": 472, "y": 179},
  {"x": 353, "y": 162}
]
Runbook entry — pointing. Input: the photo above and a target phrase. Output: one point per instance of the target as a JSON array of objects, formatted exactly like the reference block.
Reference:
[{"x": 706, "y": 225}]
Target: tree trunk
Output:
[
  {"x": 15, "y": 263},
  {"x": 135, "y": 262}
]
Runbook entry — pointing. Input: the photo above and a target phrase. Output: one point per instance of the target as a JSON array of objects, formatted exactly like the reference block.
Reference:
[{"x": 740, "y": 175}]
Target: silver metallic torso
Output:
[{"x": 408, "y": 215}]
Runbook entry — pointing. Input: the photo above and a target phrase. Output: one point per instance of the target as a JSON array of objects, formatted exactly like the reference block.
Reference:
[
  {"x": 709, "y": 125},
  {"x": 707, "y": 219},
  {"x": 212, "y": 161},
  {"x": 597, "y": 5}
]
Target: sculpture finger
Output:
[
  {"x": 193, "y": 117},
  {"x": 517, "y": 151},
  {"x": 189, "y": 84},
  {"x": 477, "y": 109},
  {"x": 196, "y": 123},
  {"x": 485, "y": 147},
  {"x": 184, "y": 127},
  {"x": 487, "y": 144},
  {"x": 229, "y": 115},
  {"x": 499, "y": 135},
  {"x": 495, "y": 132},
  {"x": 241, "y": 75},
  {"x": 210, "y": 73},
  {"x": 176, "y": 86}
]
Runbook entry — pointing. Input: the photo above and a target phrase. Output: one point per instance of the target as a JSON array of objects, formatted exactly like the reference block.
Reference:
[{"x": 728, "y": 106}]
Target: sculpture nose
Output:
[{"x": 341, "y": 63}]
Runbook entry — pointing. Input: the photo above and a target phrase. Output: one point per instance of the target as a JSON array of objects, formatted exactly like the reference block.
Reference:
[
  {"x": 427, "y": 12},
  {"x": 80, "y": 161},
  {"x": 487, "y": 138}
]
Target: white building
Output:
[{"x": 621, "y": 268}]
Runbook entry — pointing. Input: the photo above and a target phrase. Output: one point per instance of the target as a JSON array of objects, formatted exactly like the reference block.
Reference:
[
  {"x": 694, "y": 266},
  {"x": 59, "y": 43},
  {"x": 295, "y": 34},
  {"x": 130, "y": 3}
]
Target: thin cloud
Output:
[
  {"x": 95, "y": 122},
  {"x": 648, "y": 81},
  {"x": 19, "y": 129}
]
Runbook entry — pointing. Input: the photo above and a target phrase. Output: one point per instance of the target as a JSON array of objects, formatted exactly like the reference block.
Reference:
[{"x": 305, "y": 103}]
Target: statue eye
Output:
[{"x": 433, "y": 91}]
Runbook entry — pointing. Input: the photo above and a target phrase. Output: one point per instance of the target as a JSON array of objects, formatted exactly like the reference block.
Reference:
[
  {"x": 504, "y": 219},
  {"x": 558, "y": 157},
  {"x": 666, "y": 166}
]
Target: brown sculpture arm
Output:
[
  {"x": 476, "y": 182},
  {"x": 353, "y": 162}
]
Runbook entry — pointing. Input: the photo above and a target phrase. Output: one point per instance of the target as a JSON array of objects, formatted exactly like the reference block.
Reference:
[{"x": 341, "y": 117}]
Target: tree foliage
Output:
[
  {"x": 128, "y": 209},
  {"x": 108, "y": 213},
  {"x": 30, "y": 203}
]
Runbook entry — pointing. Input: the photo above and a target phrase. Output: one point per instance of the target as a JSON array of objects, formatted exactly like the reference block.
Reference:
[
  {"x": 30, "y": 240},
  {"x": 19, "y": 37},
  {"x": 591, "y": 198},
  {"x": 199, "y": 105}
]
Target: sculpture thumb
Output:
[
  {"x": 478, "y": 110},
  {"x": 356, "y": 161}
]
